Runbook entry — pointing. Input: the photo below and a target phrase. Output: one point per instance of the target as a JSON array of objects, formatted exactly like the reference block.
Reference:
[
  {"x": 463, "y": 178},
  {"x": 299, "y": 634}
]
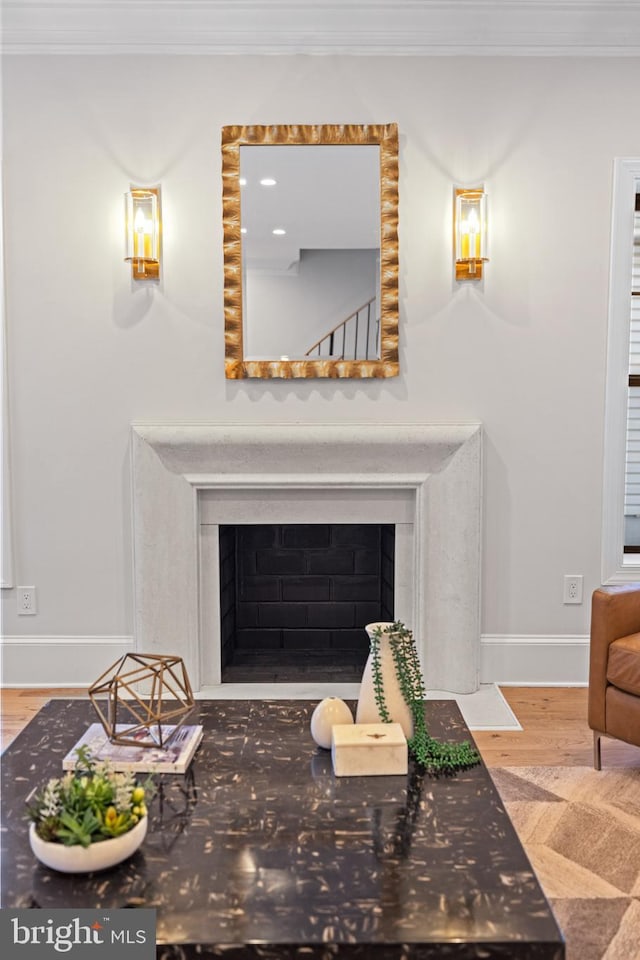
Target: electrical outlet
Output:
[
  {"x": 26, "y": 601},
  {"x": 572, "y": 588}
]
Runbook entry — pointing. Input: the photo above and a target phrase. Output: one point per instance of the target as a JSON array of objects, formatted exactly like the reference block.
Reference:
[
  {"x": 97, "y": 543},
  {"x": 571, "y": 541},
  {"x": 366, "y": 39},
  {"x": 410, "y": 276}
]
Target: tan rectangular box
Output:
[{"x": 368, "y": 749}]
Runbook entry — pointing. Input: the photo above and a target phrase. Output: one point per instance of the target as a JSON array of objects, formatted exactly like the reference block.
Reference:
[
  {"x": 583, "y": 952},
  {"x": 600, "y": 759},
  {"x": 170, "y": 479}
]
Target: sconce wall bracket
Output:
[{"x": 469, "y": 270}]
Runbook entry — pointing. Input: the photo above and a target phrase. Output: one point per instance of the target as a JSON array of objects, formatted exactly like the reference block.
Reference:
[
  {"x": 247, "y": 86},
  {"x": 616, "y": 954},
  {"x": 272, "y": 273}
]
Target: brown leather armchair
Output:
[{"x": 614, "y": 666}]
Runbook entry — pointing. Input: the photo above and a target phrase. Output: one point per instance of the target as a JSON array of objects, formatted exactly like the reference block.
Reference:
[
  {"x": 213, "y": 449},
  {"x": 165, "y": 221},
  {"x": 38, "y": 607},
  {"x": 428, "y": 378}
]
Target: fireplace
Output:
[{"x": 191, "y": 479}]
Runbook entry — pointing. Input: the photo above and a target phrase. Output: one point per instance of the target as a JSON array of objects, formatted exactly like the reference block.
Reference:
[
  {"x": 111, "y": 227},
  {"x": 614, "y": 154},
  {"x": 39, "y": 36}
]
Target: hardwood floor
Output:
[
  {"x": 17, "y": 707},
  {"x": 554, "y": 721},
  {"x": 555, "y": 732}
]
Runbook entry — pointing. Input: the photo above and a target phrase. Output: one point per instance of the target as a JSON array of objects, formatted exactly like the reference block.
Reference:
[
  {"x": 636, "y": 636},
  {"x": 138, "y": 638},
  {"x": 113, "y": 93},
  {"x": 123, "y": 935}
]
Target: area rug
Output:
[{"x": 581, "y": 830}]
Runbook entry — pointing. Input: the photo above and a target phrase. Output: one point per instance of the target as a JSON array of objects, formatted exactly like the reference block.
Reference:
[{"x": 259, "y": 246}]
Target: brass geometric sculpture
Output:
[{"x": 152, "y": 689}]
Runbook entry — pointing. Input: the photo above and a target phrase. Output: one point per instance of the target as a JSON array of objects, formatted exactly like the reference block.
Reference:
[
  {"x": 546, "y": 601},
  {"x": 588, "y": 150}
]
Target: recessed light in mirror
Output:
[
  {"x": 243, "y": 181},
  {"x": 278, "y": 232},
  {"x": 268, "y": 182},
  {"x": 243, "y": 229}
]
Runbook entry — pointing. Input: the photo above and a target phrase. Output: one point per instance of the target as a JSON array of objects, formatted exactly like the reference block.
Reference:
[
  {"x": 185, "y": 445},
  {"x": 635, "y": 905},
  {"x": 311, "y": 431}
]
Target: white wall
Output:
[{"x": 524, "y": 353}]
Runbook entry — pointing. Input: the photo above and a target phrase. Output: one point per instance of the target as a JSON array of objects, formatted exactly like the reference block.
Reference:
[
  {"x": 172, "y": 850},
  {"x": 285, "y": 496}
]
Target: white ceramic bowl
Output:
[{"x": 97, "y": 856}]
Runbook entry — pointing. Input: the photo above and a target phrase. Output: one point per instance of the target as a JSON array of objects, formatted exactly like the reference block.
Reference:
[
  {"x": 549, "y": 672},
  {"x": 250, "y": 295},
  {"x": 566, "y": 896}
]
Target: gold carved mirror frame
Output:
[{"x": 384, "y": 135}]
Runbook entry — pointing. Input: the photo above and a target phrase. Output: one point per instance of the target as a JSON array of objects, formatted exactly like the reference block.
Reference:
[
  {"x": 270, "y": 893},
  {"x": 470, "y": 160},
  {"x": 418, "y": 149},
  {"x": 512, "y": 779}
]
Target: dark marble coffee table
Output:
[{"x": 260, "y": 852}]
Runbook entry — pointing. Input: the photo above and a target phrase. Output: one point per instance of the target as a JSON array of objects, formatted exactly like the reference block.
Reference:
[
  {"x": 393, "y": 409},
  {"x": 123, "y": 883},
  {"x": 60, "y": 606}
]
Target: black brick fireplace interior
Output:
[{"x": 294, "y": 599}]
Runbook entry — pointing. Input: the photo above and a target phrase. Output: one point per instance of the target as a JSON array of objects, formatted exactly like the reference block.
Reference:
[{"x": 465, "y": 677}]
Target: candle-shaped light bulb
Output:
[
  {"x": 464, "y": 240},
  {"x": 138, "y": 227},
  {"x": 148, "y": 232},
  {"x": 473, "y": 225}
]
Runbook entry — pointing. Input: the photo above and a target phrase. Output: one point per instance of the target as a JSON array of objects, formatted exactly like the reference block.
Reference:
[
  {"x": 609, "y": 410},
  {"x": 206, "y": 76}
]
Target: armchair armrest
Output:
[{"x": 615, "y": 613}]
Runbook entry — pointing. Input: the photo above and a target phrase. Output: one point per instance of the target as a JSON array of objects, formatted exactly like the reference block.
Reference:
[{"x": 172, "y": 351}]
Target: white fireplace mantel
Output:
[{"x": 440, "y": 463}]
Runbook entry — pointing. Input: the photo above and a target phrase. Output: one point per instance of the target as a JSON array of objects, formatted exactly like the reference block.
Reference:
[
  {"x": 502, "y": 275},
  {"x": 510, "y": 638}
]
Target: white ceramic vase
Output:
[
  {"x": 97, "y": 856},
  {"x": 329, "y": 711},
  {"x": 367, "y": 710}
]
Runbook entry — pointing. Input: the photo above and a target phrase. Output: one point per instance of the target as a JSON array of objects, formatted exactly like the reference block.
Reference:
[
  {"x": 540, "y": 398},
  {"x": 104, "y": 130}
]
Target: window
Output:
[
  {"x": 621, "y": 482},
  {"x": 632, "y": 473}
]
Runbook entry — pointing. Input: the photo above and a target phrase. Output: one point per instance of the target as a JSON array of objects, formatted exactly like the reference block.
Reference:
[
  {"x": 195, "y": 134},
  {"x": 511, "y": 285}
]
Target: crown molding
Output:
[{"x": 366, "y": 27}]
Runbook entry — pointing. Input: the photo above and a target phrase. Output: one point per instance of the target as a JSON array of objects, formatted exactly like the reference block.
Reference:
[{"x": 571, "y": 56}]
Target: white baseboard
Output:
[
  {"x": 59, "y": 661},
  {"x": 529, "y": 661},
  {"x": 519, "y": 660}
]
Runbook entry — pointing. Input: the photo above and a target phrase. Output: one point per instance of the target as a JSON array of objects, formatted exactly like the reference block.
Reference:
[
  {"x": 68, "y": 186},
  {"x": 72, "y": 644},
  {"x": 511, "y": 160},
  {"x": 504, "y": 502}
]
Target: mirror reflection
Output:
[{"x": 310, "y": 226}]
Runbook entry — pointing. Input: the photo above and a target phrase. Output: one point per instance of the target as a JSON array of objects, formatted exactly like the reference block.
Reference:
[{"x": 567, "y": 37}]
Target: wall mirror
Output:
[{"x": 310, "y": 222}]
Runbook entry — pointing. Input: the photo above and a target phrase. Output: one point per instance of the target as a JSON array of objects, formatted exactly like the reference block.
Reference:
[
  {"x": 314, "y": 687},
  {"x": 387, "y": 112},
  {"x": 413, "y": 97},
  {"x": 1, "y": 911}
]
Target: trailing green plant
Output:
[
  {"x": 88, "y": 804},
  {"x": 432, "y": 754}
]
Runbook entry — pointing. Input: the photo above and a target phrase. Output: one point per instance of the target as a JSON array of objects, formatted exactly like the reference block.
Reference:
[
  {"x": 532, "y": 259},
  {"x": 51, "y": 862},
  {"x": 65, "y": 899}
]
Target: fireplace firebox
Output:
[{"x": 294, "y": 598}]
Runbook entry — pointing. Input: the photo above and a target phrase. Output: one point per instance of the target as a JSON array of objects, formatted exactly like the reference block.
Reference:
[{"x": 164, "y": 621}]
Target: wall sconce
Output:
[
  {"x": 470, "y": 233},
  {"x": 142, "y": 232}
]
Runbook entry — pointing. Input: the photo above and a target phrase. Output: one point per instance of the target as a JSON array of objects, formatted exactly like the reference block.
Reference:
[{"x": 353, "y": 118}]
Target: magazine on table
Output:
[{"x": 173, "y": 758}]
